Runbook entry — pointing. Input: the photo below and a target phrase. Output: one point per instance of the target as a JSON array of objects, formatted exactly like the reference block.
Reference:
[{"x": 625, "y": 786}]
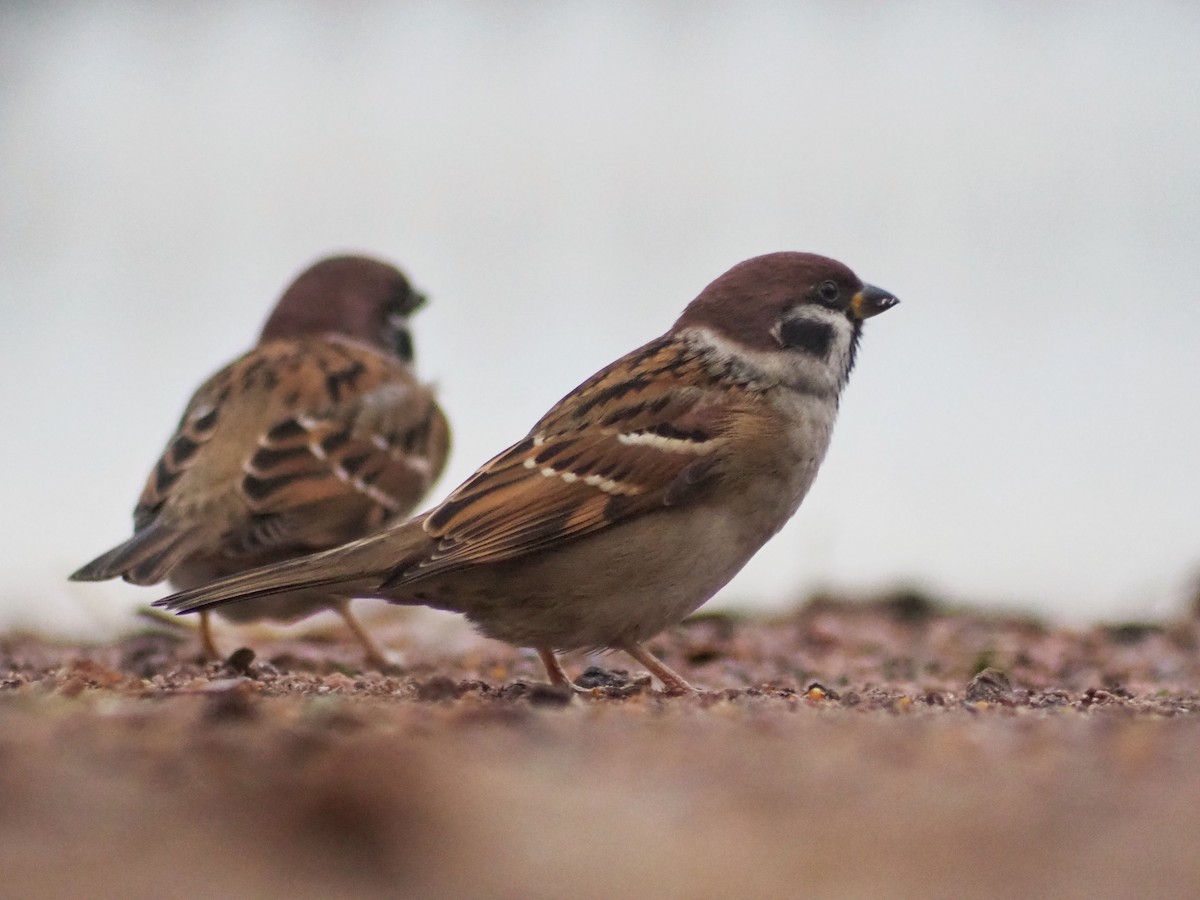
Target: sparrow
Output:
[
  {"x": 319, "y": 435},
  {"x": 638, "y": 495}
]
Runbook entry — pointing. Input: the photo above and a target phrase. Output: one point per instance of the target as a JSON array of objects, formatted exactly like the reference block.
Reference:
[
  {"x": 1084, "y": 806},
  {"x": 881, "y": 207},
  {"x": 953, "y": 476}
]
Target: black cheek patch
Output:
[
  {"x": 807, "y": 336},
  {"x": 402, "y": 345}
]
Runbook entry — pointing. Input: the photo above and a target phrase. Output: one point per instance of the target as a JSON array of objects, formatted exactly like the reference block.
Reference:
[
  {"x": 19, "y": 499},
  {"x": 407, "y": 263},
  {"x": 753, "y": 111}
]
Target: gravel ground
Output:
[{"x": 881, "y": 749}]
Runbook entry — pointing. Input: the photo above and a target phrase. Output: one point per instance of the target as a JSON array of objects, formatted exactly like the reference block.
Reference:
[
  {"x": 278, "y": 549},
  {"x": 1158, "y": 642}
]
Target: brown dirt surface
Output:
[{"x": 882, "y": 749}]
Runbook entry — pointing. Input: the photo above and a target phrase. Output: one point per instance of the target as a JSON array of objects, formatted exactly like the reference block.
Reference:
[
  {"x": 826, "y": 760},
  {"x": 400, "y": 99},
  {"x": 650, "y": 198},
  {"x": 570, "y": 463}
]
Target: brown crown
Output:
[{"x": 350, "y": 295}]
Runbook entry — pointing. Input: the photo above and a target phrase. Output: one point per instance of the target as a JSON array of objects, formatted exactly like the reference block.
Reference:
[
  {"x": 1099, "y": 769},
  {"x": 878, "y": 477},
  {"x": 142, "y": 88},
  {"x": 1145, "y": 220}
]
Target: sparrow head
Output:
[
  {"x": 356, "y": 296},
  {"x": 791, "y": 318}
]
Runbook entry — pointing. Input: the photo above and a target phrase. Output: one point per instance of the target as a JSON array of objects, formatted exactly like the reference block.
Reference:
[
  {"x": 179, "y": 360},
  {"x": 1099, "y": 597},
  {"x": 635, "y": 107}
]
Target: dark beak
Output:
[
  {"x": 871, "y": 301},
  {"x": 412, "y": 301}
]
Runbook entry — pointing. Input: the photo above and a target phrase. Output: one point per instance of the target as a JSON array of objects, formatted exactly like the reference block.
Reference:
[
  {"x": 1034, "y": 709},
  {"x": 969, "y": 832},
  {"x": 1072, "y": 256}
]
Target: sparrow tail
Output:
[
  {"x": 352, "y": 570},
  {"x": 146, "y": 558}
]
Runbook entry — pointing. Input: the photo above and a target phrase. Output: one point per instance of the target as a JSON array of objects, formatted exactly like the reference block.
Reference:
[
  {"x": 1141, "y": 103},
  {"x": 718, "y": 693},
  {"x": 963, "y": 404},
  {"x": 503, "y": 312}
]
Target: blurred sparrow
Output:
[
  {"x": 640, "y": 494},
  {"x": 319, "y": 435}
]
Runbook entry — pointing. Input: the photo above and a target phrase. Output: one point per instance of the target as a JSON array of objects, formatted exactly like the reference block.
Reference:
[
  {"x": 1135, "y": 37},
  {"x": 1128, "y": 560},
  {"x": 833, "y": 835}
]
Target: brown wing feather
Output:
[
  {"x": 625, "y": 444},
  {"x": 366, "y": 439},
  {"x": 195, "y": 429},
  {"x": 320, "y": 440}
]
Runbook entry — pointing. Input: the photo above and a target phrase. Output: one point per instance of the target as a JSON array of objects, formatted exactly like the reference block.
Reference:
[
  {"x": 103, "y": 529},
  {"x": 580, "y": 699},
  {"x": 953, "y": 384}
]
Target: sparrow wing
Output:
[
  {"x": 160, "y": 543},
  {"x": 300, "y": 443},
  {"x": 352, "y": 442},
  {"x": 640, "y": 435}
]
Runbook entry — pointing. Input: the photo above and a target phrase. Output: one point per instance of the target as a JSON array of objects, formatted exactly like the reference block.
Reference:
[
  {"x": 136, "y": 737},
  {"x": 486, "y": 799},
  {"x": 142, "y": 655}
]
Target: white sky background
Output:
[{"x": 562, "y": 179}]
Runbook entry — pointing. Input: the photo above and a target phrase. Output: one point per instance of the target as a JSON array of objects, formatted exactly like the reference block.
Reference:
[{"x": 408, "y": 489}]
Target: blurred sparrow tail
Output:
[{"x": 146, "y": 558}]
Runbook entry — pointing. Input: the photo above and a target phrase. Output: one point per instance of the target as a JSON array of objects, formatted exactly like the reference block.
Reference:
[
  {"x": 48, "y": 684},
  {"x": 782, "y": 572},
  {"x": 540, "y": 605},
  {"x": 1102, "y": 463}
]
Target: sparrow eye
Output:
[{"x": 829, "y": 291}]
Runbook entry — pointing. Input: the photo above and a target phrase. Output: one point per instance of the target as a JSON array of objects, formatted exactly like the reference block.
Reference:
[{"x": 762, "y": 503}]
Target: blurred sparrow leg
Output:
[
  {"x": 375, "y": 654},
  {"x": 554, "y": 670},
  {"x": 671, "y": 680},
  {"x": 206, "y": 635}
]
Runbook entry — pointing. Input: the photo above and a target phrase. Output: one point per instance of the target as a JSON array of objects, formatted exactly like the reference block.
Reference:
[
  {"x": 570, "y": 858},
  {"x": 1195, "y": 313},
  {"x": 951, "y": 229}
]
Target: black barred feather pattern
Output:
[
  {"x": 198, "y": 425},
  {"x": 641, "y": 434}
]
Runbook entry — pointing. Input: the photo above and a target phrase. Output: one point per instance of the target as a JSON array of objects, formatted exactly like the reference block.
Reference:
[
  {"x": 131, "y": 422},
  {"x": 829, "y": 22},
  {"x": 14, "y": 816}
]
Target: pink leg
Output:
[
  {"x": 375, "y": 655},
  {"x": 206, "y": 635},
  {"x": 671, "y": 680},
  {"x": 554, "y": 669}
]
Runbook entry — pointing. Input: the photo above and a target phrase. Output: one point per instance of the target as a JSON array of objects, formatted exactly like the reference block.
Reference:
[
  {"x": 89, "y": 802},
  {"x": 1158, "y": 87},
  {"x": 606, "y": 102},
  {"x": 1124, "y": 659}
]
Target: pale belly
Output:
[{"x": 618, "y": 587}]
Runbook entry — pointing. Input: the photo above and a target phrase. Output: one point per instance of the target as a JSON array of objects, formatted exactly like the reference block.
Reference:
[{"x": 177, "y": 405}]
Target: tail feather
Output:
[
  {"x": 265, "y": 581},
  {"x": 158, "y": 567},
  {"x": 146, "y": 558},
  {"x": 353, "y": 570}
]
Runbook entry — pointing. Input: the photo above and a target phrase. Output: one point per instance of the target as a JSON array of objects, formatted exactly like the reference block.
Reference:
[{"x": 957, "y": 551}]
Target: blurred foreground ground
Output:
[{"x": 132, "y": 769}]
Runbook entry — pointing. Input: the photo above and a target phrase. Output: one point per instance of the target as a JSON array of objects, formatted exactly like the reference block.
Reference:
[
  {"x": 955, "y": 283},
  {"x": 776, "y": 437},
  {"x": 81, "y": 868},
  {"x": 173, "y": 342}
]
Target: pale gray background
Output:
[{"x": 562, "y": 179}]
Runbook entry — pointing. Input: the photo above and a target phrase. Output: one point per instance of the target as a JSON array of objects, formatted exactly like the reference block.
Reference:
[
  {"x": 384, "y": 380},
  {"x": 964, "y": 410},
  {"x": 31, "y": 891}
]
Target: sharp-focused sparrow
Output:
[
  {"x": 319, "y": 435},
  {"x": 640, "y": 494}
]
